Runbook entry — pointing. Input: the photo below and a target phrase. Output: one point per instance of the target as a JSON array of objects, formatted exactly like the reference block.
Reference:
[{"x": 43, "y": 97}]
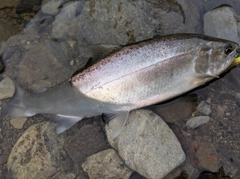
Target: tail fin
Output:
[{"x": 16, "y": 107}]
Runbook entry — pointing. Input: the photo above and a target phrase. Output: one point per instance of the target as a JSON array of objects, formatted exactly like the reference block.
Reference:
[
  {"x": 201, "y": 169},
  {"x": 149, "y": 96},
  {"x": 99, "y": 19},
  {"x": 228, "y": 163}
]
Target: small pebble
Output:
[
  {"x": 18, "y": 123},
  {"x": 197, "y": 121},
  {"x": 7, "y": 88}
]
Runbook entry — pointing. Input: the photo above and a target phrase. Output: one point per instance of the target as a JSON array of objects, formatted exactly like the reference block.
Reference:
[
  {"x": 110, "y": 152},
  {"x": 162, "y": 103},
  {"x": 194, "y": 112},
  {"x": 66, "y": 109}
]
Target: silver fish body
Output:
[
  {"x": 155, "y": 70},
  {"x": 136, "y": 76}
]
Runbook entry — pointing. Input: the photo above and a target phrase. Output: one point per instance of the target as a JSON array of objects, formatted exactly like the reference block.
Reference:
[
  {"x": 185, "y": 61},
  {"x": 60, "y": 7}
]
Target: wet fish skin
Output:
[
  {"x": 155, "y": 70},
  {"x": 136, "y": 76}
]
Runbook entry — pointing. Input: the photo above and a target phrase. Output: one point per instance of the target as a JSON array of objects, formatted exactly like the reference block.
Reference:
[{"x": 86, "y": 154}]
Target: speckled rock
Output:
[
  {"x": 222, "y": 22},
  {"x": 7, "y": 88},
  {"x": 38, "y": 154},
  {"x": 106, "y": 164},
  {"x": 197, "y": 121},
  {"x": 147, "y": 145}
]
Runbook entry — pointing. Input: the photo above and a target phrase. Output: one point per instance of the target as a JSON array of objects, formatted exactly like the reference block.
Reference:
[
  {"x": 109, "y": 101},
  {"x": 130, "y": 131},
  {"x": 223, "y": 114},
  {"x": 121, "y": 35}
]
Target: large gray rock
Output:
[
  {"x": 222, "y": 22},
  {"x": 124, "y": 21},
  {"x": 106, "y": 164},
  {"x": 50, "y": 65},
  {"x": 65, "y": 21},
  {"x": 38, "y": 154},
  {"x": 147, "y": 145}
]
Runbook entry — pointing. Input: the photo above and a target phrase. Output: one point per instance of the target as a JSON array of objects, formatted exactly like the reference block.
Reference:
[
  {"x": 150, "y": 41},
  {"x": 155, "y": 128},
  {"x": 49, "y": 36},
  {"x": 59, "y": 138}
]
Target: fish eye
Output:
[{"x": 228, "y": 49}]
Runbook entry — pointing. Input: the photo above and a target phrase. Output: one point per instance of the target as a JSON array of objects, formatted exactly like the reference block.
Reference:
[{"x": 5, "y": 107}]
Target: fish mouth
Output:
[{"x": 235, "y": 60}]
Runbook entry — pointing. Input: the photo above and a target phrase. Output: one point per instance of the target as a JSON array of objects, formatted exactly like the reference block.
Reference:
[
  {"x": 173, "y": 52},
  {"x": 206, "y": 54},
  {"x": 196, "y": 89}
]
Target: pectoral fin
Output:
[
  {"x": 65, "y": 122},
  {"x": 116, "y": 122},
  {"x": 101, "y": 51},
  {"x": 200, "y": 80}
]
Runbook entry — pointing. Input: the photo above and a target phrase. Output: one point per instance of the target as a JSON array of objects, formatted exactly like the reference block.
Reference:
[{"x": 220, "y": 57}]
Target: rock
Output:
[
  {"x": 28, "y": 6},
  {"x": 204, "y": 155},
  {"x": 52, "y": 7},
  {"x": 18, "y": 122},
  {"x": 62, "y": 25},
  {"x": 112, "y": 22},
  {"x": 204, "y": 108},
  {"x": 7, "y": 88},
  {"x": 147, "y": 145},
  {"x": 222, "y": 23},
  {"x": 106, "y": 164},
  {"x": 7, "y": 29},
  {"x": 43, "y": 63},
  {"x": 64, "y": 176},
  {"x": 136, "y": 175},
  {"x": 7, "y": 3},
  {"x": 38, "y": 153},
  {"x": 177, "y": 110},
  {"x": 195, "y": 122},
  {"x": 87, "y": 140},
  {"x": 1, "y": 66}
]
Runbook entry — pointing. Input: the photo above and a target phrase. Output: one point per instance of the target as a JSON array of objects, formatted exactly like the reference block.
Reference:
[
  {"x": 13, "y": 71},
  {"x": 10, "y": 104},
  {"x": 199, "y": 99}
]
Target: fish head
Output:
[{"x": 214, "y": 57}]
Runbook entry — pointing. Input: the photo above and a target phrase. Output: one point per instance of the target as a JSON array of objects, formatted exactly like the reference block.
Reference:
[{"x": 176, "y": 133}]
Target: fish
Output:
[{"x": 135, "y": 76}]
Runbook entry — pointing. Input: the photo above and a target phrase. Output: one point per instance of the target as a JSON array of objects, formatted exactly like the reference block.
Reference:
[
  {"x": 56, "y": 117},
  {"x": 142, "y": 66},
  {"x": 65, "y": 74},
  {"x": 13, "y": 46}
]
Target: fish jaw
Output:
[{"x": 212, "y": 62}]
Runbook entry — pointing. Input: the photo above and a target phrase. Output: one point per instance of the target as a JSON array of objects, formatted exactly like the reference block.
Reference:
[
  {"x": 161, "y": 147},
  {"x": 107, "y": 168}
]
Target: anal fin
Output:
[
  {"x": 65, "y": 122},
  {"x": 116, "y": 122}
]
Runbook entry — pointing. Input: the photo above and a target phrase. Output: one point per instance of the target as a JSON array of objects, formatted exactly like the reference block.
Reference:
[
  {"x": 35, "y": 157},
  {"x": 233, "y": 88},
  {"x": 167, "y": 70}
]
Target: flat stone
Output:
[
  {"x": 222, "y": 22},
  {"x": 18, "y": 122},
  {"x": 7, "y": 88},
  {"x": 197, "y": 121},
  {"x": 147, "y": 145},
  {"x": 106, "y": 164}
]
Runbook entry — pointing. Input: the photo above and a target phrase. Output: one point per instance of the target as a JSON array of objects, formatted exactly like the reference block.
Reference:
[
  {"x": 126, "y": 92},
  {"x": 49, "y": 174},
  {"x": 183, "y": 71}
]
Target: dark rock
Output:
[
  {"x": 7, "y": 29},
  {"x": 1, "y": 66},
  {"x": 204, "y": 155},
  {"x": 136, "y": 175},
  {"x": 9, "y": 4},
  {"x": 87, "y": 140},
  {"x": 218, "y": 175},
  {"x": 28, "y": 6}
]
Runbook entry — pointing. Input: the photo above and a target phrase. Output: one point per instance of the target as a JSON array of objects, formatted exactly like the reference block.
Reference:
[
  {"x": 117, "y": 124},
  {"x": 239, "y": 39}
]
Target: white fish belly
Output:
[{"x": 149, "y": 85}]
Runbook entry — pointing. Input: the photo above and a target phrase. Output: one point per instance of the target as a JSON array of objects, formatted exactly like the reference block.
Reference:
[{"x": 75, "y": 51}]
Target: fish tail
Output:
[{"x": 16, "y": 107}]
